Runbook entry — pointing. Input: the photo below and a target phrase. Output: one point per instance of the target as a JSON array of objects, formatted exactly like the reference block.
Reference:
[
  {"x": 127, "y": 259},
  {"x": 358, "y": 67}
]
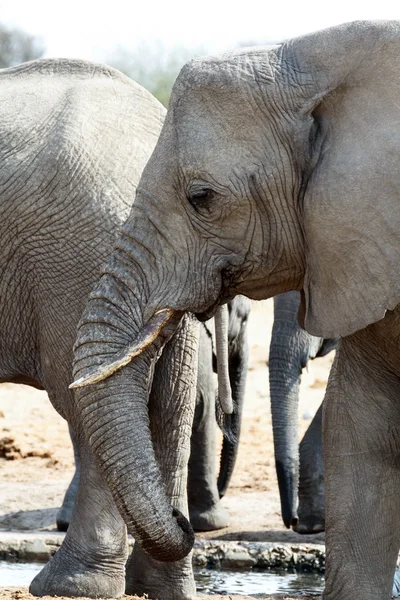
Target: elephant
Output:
[
  {"x": 204, "y": 488},
  {"x": 205, "y": 511},
  {"x": 276, "y": 170},
  {"x": 290, "y": 350},
  {"x": 75, "y": 138}
]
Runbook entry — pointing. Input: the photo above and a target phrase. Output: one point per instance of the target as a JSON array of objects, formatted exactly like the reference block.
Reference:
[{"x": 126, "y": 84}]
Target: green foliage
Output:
[
  {"x": 16, "y": 47},
  {"x": 155, "y": 68}
]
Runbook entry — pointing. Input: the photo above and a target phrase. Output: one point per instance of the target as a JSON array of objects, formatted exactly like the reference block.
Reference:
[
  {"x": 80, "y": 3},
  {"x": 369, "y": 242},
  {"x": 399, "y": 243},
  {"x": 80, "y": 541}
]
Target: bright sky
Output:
[{"x": 92, "y": 29}]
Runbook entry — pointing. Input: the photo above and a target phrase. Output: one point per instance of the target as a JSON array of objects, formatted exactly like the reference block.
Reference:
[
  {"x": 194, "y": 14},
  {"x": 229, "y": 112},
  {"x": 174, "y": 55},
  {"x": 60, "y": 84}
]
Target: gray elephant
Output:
[
  {"x": 204, "y": 487},
  {"x": 300, "y": 474},
  {"x": 75, "y": 138},
  {"x": 276, "y": 170},
  {"x": 205, "y": 510}
]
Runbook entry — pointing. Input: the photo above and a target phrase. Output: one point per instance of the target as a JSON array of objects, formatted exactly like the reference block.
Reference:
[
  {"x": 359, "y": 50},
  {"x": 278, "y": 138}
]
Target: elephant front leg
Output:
[
  {"x": 92, "y": 557},
  {"x": 311, "y": 510},
  {"x": 171, "y": 409},
  {"x": 205, "y": 508},
  {"x": 361, "y": 435}
]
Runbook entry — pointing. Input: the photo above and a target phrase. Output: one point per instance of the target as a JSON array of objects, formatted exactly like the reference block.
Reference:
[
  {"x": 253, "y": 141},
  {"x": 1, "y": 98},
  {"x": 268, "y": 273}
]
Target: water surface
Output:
[{"x": 254, "y": 582}]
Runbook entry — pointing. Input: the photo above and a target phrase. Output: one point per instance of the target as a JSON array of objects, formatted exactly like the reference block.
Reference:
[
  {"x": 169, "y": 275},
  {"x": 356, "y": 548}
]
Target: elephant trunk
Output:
[
  {"x": 286, "y": 360},
  {"x": 113, "y": 413},
  {"x": 128, "y": 316}
]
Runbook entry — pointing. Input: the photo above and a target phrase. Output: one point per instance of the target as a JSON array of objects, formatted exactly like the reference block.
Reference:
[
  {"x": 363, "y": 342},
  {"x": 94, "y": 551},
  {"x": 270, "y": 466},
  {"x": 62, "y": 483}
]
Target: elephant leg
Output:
[
  {"x": 64, "y": 513},
  {"x": 205, "y": 508},
  {"x": 361, "y": 435},
  {"x": 311, "y": 510},
  {"x": 91, "y": 560},
  {"x": 171, "y": 409}
]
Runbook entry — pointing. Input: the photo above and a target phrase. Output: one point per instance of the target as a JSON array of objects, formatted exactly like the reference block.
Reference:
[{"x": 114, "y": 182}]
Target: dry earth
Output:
[{"x": 36, "y": 460}]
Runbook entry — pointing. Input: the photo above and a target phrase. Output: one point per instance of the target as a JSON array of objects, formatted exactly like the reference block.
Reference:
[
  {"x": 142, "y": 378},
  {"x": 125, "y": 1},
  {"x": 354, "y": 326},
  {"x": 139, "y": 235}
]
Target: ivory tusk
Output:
[
  {"x": 221, "y": 342},
  {"x": 146, "y": 336}
]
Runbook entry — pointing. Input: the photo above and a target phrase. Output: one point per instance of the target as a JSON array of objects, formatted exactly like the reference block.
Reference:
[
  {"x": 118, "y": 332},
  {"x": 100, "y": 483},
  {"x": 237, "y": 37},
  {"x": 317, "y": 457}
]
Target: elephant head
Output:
[{"x": 276, "y": 170}]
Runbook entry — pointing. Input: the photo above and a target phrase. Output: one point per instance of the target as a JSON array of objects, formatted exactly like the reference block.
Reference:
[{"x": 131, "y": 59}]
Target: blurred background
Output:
[{"x": 151, "y": 40}]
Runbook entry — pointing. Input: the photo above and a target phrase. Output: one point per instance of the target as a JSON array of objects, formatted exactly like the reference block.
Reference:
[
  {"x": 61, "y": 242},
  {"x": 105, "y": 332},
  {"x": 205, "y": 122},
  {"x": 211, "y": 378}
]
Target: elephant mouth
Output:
[{"x": 206, "y": 315}]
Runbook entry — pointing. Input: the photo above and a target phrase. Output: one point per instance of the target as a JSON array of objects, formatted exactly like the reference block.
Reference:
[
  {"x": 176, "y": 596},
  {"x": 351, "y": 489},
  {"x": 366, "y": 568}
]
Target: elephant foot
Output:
[
  {"x": 209, "y": 519},
  {"x": 66, "y": 574},
  {"x": 154, "y": 580},
  {"x": 310, "y": 524}
]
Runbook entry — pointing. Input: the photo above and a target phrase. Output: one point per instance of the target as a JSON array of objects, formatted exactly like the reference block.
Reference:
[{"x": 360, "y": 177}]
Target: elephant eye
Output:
[{"x": 200, "y": 197}]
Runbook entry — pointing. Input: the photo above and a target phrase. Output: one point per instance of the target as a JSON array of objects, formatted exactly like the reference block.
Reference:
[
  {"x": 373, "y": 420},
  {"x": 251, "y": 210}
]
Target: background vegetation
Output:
[
  {"x": 155, "y": 68},
  {"x": 16, "y": 47}
]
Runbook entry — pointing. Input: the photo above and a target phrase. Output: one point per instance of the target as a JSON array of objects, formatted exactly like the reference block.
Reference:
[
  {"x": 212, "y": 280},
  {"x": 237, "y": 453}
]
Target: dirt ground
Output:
[{"x": 36, "y": 462}]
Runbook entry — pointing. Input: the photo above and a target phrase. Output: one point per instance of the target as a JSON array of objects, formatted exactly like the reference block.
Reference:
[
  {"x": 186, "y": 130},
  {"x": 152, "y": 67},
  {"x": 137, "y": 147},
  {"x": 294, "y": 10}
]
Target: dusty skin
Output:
[{"x": 35, "y": 440}]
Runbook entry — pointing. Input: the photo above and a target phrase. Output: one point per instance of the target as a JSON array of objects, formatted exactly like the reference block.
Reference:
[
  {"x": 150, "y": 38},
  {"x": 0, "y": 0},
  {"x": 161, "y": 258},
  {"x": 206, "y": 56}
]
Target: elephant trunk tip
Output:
[
  {"x": 173, "y": 549},
  {"x": 289, "y": 519},
  {"x": 288, "y": 486}
]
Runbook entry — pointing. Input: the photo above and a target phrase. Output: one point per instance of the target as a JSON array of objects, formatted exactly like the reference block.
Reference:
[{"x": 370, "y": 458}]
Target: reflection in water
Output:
[
  {"x": 257, "y": 582},
  {"x": 212, "y": 581}
]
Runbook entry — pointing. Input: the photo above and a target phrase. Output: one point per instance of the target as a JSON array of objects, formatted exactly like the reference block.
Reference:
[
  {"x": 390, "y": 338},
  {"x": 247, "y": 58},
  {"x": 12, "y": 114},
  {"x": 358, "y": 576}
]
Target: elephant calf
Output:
[
  {"x": 74, "y": 139},
  {"x": 205, "y": 513}
]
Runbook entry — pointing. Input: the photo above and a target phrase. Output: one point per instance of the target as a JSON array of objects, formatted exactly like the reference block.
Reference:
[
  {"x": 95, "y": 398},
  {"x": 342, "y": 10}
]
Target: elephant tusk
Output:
[
  {"x": 146, "y": 337},
  {"x": 221, "y": 342}
]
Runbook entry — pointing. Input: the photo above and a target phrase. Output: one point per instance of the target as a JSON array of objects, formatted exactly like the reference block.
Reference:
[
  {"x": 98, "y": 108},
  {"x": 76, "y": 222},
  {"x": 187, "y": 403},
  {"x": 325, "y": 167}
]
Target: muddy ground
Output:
[{"x": 36, "y": 461}]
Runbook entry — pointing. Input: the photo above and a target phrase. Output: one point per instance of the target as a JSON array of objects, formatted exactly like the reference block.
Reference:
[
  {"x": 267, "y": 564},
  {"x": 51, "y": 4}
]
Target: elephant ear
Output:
[{"x": 351, "y": 204}]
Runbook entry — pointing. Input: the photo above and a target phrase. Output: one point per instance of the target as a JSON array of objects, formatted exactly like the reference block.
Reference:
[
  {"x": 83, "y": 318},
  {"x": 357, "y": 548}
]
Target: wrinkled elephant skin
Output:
[
  {"x": 204, "y": 488},
  {"x": 277, "y": 170},
  {"x": 75, "y": 138}
]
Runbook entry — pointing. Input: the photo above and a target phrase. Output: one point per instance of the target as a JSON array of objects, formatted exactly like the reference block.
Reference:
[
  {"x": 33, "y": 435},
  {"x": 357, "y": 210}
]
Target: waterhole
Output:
[
  {"x": 254, "y": 582},
  {"x": 257, "y": 582}
]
